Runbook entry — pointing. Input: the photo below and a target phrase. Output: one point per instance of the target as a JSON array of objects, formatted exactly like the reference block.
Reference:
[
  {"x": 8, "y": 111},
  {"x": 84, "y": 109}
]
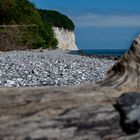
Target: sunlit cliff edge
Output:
[{"x": 66, "y": 39}]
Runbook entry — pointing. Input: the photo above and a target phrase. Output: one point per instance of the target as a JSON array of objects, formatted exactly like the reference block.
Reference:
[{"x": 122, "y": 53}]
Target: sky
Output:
[{"x": 100, "y": 24}]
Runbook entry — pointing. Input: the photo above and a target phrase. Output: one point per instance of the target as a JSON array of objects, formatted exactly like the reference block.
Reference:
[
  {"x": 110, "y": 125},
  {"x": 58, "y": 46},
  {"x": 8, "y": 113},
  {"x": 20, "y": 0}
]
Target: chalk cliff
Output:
[{"x": 66, "y": 39}]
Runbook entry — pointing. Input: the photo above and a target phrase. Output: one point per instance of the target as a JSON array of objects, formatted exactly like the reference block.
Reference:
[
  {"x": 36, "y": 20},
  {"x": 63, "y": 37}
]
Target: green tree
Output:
[
  {"x": 57, "y": 19},
  {"x": 7, "y": 11}
]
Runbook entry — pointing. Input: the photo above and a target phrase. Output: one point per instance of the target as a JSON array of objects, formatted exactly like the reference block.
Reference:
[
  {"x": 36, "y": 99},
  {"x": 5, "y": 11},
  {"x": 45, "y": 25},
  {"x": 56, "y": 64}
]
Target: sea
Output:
[{"x": 101, "y": 52}]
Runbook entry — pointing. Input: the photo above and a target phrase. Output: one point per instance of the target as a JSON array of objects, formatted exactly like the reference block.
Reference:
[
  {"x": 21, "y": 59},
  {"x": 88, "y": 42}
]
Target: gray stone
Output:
[
  {"x": 129, "y": 107},
  {"x": 58, "y": 67}
]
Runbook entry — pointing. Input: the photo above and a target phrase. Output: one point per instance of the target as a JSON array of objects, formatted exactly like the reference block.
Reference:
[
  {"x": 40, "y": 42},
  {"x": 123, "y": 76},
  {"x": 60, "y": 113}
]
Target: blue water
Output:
[
  {"x": 100, "y": 52},
  {"x": 105, "y": 52},
  {"x": 105, "y": 41}
]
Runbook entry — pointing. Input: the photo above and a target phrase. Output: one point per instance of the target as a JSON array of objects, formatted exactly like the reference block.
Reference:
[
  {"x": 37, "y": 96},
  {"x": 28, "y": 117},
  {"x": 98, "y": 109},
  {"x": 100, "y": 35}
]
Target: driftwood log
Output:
[
  {"x": 127, "y": 70},
  {"x": 84, "y": 112}
]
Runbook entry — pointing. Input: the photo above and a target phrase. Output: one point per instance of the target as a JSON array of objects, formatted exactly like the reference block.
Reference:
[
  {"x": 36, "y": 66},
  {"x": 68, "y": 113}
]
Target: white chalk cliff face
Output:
[{"x": 66, "y": 39}]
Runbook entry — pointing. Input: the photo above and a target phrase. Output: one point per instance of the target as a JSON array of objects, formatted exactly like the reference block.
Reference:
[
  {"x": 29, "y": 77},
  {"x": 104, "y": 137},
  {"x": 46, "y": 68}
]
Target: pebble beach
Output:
[{"x": 50, "y": 68}]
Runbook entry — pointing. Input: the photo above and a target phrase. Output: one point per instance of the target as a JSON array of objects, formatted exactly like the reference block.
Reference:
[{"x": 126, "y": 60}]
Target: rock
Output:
[
  {"x": 49, "y": 113},
  {"x": 52, "y": 68},
  {"x": 129, "y": 107},
  {"x": 83, "y": 112}
]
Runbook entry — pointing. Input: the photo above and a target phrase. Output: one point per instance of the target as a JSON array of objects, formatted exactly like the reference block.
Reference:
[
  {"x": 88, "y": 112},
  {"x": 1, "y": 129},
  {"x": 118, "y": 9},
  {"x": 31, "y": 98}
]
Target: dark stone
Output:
[
  {"x": 128, "y": 106},
  {"x": 116, "y": 58}
]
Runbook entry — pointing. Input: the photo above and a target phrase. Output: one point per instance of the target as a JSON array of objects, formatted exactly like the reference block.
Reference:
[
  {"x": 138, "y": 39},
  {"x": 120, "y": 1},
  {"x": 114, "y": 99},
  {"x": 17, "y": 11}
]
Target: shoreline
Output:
[
  {"x": 72, "y": 52},
  {"x": 94, "y": 55}
]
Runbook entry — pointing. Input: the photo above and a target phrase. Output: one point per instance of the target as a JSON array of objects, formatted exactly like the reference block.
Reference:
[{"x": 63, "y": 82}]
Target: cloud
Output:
[{"x": 100, "y": 20}]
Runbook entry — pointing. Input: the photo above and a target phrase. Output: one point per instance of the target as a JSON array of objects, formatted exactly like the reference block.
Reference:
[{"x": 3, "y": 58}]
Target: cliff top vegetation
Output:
[{"x": 57, "y": 19}]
